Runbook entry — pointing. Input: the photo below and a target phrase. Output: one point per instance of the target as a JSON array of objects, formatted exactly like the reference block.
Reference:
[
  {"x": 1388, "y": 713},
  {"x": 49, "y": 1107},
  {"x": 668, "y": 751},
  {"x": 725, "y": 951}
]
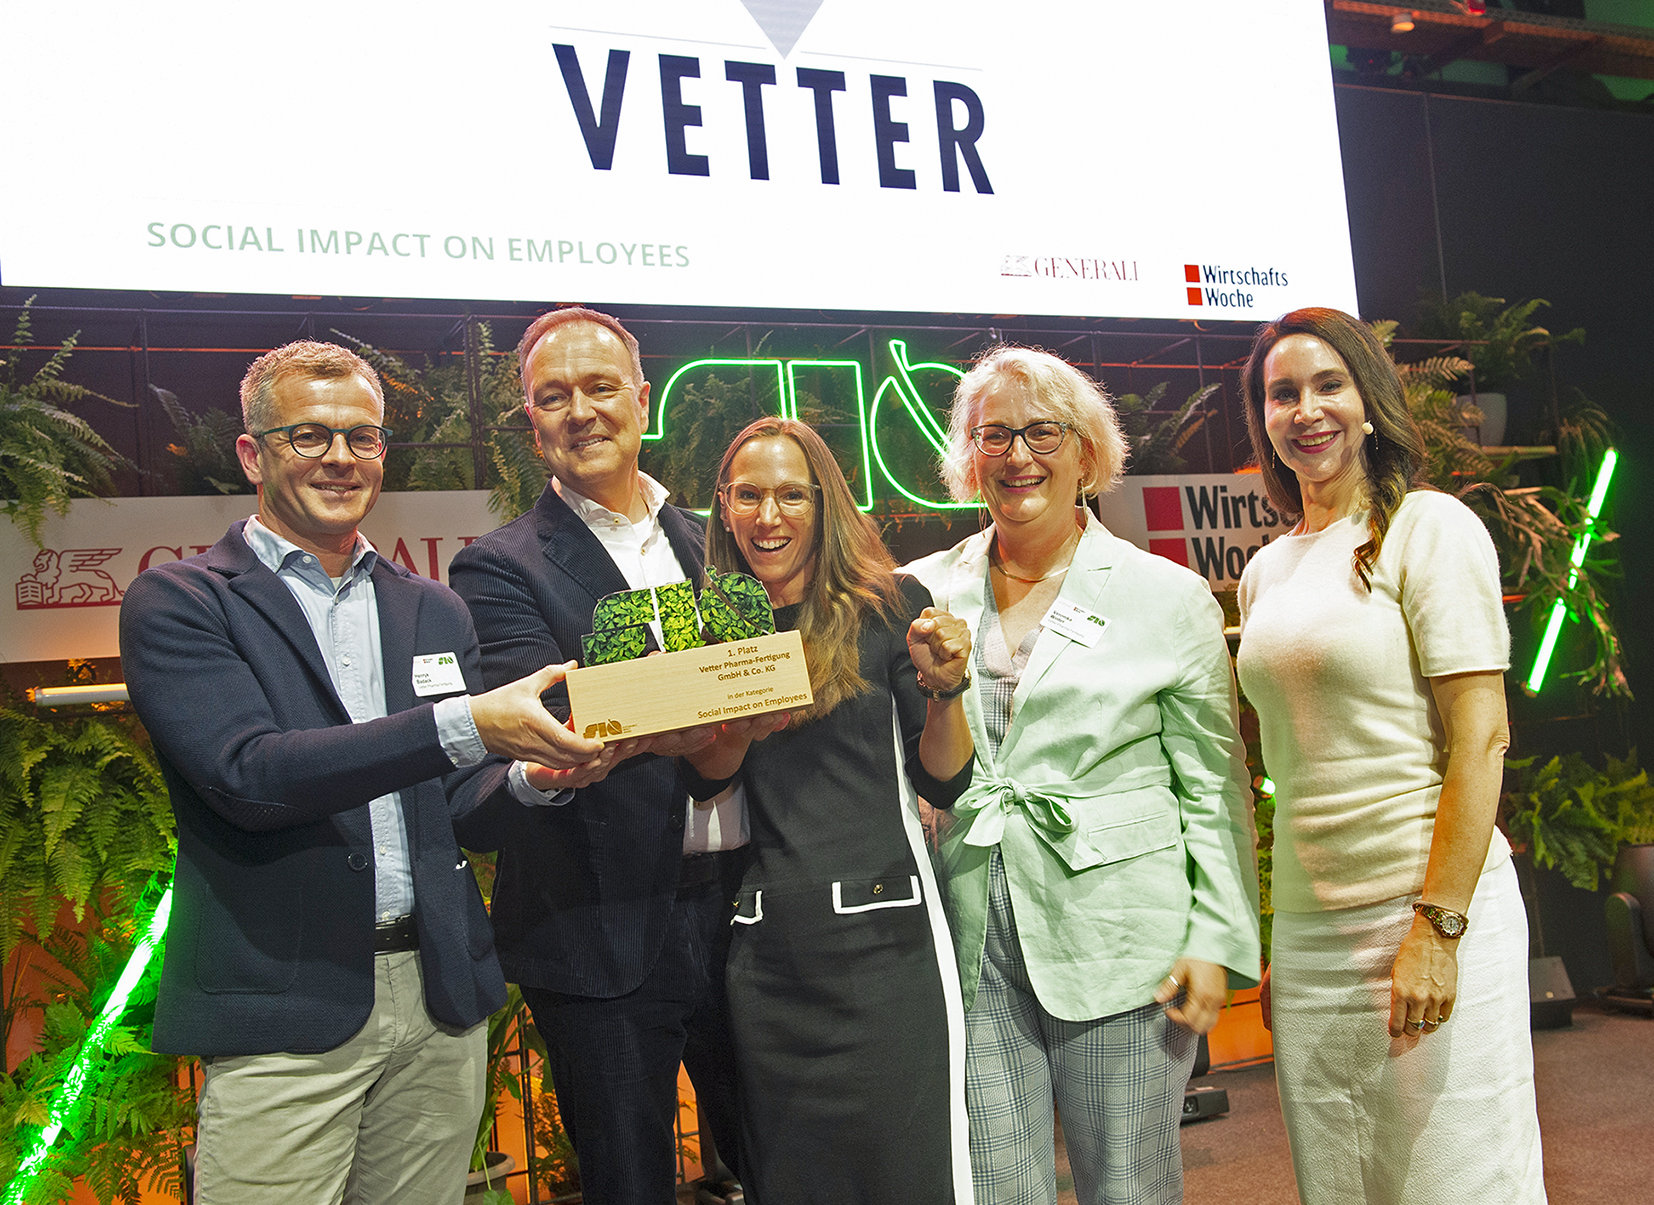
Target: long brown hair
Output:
[
  {"x": 854, "y": 572},
  {"x": 1392, "y": 457}
]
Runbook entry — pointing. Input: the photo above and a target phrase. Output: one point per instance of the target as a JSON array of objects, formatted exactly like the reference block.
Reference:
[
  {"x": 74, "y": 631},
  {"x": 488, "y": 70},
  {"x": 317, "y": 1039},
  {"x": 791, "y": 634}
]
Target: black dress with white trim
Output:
[{"x": 843, "y": 993}]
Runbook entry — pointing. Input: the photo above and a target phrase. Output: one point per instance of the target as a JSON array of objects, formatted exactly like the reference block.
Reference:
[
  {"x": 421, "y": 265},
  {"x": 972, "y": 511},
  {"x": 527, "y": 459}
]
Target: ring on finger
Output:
[{"x": 1176, "y": 983}]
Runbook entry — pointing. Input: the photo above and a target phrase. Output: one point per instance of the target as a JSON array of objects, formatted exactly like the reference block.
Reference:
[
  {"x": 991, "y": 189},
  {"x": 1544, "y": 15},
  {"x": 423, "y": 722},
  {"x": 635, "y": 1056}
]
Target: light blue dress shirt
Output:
[{"x": 344, "y": 618}]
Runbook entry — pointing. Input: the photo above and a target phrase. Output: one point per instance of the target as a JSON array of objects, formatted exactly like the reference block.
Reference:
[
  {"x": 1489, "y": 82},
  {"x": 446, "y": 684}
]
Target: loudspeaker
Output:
[
  {"x": 1551, "y": 996},
  {"x": 1200, "y": 1103}
]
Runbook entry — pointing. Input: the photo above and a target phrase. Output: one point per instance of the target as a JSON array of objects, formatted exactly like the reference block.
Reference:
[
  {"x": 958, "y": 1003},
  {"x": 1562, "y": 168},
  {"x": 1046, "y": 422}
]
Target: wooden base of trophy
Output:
[{"x": 707, "y": 685}]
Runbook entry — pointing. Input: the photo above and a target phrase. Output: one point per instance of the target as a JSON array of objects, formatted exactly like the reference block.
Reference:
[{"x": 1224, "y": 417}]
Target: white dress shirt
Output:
[{"x": 645, "y": 558}]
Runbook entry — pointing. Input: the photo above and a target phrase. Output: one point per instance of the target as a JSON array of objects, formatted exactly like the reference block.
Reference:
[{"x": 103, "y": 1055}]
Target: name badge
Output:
[
  {"x": 1075, "y": 622},
  {"x": 437, "y": 674}
]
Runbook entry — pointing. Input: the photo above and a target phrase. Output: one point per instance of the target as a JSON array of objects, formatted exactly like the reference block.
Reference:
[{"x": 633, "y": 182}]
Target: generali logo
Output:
[
  {"x": 68, "y": 578},
  {"x": 1228, "y": 527},
  {"x": 76, "y": 577},
  {"x": 1069, "y": 267}
]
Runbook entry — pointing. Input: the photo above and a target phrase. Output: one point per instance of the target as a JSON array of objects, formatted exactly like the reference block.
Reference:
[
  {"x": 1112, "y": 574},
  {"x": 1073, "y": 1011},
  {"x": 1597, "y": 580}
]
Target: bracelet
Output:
[{"x": 942, "y": 696}]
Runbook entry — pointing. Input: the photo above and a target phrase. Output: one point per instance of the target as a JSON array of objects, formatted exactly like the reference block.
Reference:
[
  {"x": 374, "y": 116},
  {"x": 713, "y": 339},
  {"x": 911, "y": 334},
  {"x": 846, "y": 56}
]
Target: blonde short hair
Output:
[{"x": 1057, "y": 388}]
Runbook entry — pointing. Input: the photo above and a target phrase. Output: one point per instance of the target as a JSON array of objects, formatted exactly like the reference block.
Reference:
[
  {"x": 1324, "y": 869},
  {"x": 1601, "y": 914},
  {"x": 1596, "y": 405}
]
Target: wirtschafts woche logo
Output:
[{"x": 1228, "y": 288}]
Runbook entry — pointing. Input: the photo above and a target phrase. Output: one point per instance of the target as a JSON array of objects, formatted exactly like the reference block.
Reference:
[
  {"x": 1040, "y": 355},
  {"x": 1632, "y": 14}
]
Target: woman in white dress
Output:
[{"x": 1373, "y": 647}]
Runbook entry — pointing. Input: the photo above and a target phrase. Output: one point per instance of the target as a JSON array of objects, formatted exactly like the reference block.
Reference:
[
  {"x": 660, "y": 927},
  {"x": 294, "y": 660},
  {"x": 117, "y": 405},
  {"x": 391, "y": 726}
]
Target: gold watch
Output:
[{"x": 1448, "y": 923}]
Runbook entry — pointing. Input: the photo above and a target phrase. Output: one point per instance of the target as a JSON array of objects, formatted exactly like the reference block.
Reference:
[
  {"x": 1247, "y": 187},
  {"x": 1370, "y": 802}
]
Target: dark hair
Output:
[
  {"x": 854, "y": 572},
  {"x": 552, "y": 319},
  {"x": 1391, "y": 457}
]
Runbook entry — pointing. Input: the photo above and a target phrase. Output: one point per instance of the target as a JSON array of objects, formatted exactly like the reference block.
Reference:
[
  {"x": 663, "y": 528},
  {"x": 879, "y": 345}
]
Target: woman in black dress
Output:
[{"x": 843, "y": 996}]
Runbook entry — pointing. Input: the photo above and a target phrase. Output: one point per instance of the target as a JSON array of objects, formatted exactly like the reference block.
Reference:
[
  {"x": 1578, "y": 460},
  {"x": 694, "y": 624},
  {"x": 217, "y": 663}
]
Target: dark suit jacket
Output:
[
  {"x": 582, "y": 893},
  {"x": 270, "y": 943}
]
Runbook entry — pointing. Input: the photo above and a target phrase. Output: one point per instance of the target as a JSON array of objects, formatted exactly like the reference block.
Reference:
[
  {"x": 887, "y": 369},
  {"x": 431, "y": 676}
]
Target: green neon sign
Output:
[
  {"x": 75, "y": 1083},
  {"x": 1553, "y": 629},
  {"x": 897, "y": 393}
]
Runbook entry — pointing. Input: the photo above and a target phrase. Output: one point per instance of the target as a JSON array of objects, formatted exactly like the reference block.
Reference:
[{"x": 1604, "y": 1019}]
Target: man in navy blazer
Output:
[
  {"x": 611, "y": 905},
  {"x": 318, "y": 717}
]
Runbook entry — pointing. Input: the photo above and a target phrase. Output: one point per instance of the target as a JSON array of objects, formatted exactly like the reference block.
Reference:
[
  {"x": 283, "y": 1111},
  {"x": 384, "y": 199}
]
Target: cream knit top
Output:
[{"x": 1339, "y": 677}]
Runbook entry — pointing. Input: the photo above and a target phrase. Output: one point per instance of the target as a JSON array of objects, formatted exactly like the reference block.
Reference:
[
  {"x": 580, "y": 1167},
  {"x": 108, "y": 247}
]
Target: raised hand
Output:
[{"x": 940, "y": 645}]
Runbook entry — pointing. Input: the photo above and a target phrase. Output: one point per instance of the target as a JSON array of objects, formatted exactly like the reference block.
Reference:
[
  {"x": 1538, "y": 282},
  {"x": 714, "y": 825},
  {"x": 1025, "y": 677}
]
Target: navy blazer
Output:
[
  {"x": 582, "y": 892},
  {"x": 270, "y": 943}
]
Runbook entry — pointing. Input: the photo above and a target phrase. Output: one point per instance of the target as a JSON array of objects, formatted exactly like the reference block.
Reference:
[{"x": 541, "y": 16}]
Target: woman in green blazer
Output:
[{"x": 1101, "y": 875}]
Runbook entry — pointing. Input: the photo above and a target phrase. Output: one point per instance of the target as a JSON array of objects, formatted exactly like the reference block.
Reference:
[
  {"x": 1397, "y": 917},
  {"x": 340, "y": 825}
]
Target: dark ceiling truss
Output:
[{"x": 1535, "y": 44}]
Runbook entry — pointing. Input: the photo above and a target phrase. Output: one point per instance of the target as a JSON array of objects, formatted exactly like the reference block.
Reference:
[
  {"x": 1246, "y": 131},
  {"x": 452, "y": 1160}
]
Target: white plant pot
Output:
[
  {"x": 499, "y": 1164},
  {"x": 1492, "y": 405}
]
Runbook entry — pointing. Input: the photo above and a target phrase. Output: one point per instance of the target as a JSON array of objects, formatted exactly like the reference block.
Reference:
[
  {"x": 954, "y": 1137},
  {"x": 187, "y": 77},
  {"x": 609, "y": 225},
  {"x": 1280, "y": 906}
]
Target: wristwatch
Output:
[
  {"x": 942, "y": 696},
  {"x": 1448, "y": 923}
]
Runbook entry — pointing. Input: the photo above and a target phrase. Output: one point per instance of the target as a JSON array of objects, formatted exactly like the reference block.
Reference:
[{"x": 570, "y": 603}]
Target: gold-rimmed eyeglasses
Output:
[{"x": 793, "y": 498}]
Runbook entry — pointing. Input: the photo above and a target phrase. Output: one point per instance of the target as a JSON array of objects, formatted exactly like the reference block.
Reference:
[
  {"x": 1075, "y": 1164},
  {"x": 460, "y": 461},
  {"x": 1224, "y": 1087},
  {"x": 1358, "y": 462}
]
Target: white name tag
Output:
[
  {"x": 1075, "y": 622},
  {"x": 437, "y": 674}
]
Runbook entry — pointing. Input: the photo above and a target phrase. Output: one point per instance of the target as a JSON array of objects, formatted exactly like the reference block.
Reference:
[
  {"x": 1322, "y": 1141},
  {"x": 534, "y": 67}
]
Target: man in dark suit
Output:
[
  {"x": 611, "y": 903},
  {"x": 328, "y": 954}
]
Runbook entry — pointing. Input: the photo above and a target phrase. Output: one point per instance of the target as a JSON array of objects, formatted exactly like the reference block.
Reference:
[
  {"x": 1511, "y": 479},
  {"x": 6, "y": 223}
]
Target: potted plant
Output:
[{"x": 1499, "y": 344}]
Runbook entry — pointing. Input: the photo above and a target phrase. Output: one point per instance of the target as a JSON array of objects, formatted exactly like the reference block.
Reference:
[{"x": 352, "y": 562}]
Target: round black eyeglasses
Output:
[
  {"x": 1042, "y": 438},
  {"x": 313, "y": 440}
]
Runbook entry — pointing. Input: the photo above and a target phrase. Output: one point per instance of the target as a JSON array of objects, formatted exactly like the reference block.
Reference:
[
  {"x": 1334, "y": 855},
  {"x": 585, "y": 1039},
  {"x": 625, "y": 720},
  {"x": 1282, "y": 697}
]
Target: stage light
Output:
[
  {"x": 1401, "y": 22},
  {"x": 1553, "y": 629}
]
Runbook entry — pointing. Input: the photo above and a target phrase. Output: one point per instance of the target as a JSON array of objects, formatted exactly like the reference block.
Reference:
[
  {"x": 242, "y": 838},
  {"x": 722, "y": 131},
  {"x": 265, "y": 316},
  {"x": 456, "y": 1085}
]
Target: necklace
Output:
[{"x": 993, "y": 563}]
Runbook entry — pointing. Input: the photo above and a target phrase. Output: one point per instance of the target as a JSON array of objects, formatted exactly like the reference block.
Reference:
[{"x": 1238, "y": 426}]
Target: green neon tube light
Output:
[
  {"x": 919, "y": 414},
  {"x": 1553, "y": 628},
  {"x": 74, "y": 1084},
  {"x": 794, "y": 367},
  {"x": 745, "y": 366}
]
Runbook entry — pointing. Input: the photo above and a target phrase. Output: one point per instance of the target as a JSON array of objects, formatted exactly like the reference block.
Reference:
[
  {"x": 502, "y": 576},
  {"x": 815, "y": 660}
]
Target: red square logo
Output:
[
  {"x": 1162, "y": 508},
  {"x": 1172, "y": 550},
  {"x": 1194, "y": 297},
  {"x": 1191, "y": 273}
]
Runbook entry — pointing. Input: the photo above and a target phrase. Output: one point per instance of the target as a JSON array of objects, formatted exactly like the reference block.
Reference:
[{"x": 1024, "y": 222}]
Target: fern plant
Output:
[
  {"x": 1535, "y": 528},
  {"x": 1155, "y": 446},
  {"x": 49, "y": 455},
  {"x": 85, "y": 822},
  {"x": 204, "y": 451},
  {"x": 1573, "y": 816},
  {"x": 136, "y": 1112},
  {"x": 431, "y": 404},
  {"x": 1499, "y": 340},
  {"x": 84, "y": 816}
]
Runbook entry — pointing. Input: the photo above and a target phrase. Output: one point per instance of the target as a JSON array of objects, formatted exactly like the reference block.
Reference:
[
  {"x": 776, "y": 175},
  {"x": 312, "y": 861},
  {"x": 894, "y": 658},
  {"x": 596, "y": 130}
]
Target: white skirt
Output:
[{"x": 1446, "y": 1117}]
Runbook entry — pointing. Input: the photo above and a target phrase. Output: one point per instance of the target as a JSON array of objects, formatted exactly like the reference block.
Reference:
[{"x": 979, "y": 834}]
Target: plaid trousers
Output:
[{"x": 1117, "y": 1081}]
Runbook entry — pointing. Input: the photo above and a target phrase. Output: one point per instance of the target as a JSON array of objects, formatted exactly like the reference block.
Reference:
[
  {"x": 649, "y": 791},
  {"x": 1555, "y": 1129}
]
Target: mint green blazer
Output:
[{"x": 1119, "y": 800}]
